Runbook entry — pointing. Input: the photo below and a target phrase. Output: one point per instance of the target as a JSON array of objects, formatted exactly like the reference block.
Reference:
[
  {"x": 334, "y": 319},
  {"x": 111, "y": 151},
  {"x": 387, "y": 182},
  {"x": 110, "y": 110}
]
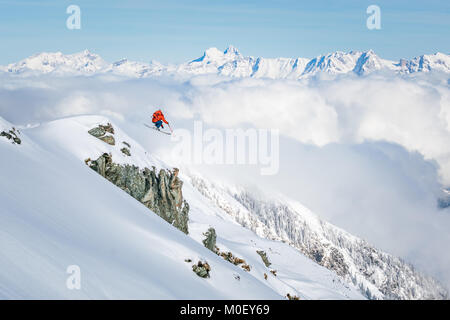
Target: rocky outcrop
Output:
[
  {"x": 202, "y": 269},
  {"x": 101, "y": 131},
  {"x": 210, "y": 240},
  {"x": 292, "y": 297},
  {"x": 126, "y": 151},
  {"x": 108, "y": 139},
  {"x": 127, "y": 144},
  {"x": 12, "y": 135},
  {"x": 158, "y": 191},
  {"x": 228, "y": 256},
  {"x": 264, "y": 257}
]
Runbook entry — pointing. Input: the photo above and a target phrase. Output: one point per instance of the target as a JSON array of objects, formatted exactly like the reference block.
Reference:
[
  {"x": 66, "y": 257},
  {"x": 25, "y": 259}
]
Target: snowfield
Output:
[{"x": 56, "y": 212}]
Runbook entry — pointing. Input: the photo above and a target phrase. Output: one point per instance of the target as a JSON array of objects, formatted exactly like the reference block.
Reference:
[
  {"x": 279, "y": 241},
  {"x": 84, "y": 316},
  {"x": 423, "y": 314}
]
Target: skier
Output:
[{"x": 158, "y": 118}]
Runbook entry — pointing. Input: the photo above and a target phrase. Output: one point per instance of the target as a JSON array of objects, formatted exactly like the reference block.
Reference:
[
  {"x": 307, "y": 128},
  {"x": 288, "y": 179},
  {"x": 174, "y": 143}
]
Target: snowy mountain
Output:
[
  {"x": 426, "y": 63},
  {"x": 78, "y": 63},
  {"x": 231, "y": 63},
  {"x": 377, "y": 274},
  {"x": 60, "y": 213},
  {"x": 342, "y": 63}
]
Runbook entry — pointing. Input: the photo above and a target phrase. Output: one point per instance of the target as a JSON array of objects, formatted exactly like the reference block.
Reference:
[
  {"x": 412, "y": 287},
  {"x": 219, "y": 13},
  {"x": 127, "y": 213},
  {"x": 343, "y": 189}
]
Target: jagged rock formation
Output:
[
  {"x": 264, "y": 258},
  {"x": 108, "y": 139},
  {"x": 292, "y": 297},
  {"x": 377, "y": 274},
  {"x": 126, "y": 151},
  {"x": 12, "y": 135},
  {"x": 228, "y": 256},
  {"x": 127, "y": 144},
  {"x": 100, "y": 133},
  {"x": 160, "y": 192},
  {"x": 210, "y": 240},
  {"x": 202, "y": 269}
]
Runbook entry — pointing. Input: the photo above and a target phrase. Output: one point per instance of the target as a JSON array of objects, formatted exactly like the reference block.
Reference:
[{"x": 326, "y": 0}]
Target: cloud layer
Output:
[{"x": 413, "y": 114}]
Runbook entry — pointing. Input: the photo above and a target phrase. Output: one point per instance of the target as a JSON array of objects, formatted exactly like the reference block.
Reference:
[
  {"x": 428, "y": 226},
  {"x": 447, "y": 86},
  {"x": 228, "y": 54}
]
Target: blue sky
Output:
[{"x": 176, "y": 31}]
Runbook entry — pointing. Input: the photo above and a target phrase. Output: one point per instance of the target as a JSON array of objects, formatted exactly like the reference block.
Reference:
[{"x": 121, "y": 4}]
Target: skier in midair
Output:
[{"x": 158, "y": 119}]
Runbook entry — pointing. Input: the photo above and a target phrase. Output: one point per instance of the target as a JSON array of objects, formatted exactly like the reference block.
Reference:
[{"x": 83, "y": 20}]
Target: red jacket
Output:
[{"x": 158, "y": 115}]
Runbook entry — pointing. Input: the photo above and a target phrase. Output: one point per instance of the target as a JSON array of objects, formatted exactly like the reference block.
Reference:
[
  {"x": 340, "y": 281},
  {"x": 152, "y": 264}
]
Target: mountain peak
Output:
[
  {"x": 232, "y": 50},
  {"x": 217, "y": 56},
  {"x": 213, "y": 52},
  {"x": 86, "y": 54}
]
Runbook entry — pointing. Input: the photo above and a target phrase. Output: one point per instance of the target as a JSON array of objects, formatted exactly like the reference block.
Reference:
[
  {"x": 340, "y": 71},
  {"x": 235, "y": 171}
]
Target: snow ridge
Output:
[{"x": 230, "y": 63}]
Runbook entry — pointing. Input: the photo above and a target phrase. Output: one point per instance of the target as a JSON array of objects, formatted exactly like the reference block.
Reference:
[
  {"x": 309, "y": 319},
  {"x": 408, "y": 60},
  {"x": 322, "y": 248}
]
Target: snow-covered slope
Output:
[
  {"x": 78, "y": 63},
  {"x": 377, "y": 274},
  {"x": 426, "y": 63},
  {"x": 231, "y": 63},
  {"x": 57, "y": 212}
]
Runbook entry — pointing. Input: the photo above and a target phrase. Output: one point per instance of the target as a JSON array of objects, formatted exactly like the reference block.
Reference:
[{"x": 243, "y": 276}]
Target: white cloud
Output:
[{"x": 415, "y": 115}]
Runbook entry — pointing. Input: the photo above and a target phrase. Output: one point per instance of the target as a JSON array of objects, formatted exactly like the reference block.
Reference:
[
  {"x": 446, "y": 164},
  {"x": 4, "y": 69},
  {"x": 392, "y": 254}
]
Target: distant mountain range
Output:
[{"x": 231, "y": 63}]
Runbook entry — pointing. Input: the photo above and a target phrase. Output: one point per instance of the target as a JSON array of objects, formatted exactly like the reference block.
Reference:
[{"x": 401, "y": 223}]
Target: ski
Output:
[{"x": 168, "y": 133}]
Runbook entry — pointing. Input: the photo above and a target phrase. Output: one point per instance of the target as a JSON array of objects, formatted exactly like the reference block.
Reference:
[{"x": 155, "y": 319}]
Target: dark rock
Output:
[
  {"x": 210, "y": 240},
  {"x": 11, "y": 135},
  {"x": 264, "y": 258},
  {"x": 127, "y": 144},
  {"x": 293, "y": 297},
  {"x": 126, "y": 151},
  {"x": 160, "y": 192},
  {"x": 108, "y": 139},
  {"x": 228, "y": 256},
  {"x": 246, "y": 267},
  {"x": 108, "y": 128},
  {"x": 202, "y": 269},
  {"x": 5, "y": 134},
  {"x": 97, "y": 132},
  {"x": 100, "y": 133}
]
